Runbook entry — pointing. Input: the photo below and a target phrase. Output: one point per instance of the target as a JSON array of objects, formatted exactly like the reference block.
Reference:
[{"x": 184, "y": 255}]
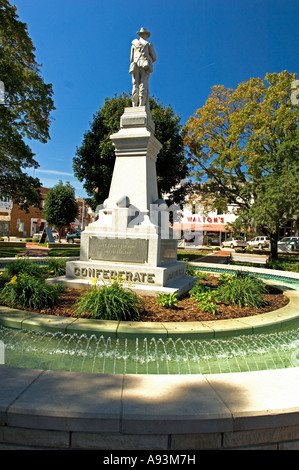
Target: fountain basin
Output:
[{"x": 75, "y": 410}]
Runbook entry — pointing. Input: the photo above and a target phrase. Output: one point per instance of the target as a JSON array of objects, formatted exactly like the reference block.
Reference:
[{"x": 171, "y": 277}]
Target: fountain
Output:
[
  {"x": 106, "y": 355},
  {"x": 152, "y": 352}
]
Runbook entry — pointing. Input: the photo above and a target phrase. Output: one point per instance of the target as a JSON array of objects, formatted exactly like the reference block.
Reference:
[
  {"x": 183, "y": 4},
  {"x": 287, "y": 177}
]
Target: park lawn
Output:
[
  {"x": 65, "y": 250},
  {"x": 10, "y": 251},
  {"x": 191, "y": 255}
]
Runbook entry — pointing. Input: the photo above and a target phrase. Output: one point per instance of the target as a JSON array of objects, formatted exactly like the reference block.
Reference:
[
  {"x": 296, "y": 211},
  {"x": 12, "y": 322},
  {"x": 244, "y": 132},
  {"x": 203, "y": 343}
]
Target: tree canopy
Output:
[
  {"x": 94, "y": 160},
  {"x": 60, "y": 208},
  {"x": 243, "y": 146},
  {"x": 25, "y": 111}
]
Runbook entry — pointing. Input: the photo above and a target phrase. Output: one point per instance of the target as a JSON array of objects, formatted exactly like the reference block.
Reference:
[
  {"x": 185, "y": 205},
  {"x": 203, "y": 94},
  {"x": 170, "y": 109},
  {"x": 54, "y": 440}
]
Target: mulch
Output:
[{"x": 185, "y": 311}]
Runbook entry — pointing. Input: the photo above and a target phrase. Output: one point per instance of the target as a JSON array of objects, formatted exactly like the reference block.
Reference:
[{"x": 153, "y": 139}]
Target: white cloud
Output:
[{"x": 54, "y": 172}]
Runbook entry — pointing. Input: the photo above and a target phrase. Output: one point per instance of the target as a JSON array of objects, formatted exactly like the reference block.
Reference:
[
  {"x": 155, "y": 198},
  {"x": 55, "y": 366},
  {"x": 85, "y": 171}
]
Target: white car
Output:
[
  {"x": 288, "y": 240},
  {"x": 259, "y": 242},
  {"x": 233, "y": 243}
]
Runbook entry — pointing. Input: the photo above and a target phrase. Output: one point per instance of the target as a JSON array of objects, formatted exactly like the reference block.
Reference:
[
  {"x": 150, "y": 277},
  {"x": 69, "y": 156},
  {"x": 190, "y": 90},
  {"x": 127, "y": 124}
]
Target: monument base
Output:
[
  {"x": 145, "y": 280},
  {"x": 178, "y": 287}
]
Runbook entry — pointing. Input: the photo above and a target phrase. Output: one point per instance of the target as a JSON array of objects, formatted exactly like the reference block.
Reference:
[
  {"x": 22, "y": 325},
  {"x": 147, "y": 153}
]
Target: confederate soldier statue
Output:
[{"x": 142, "y": 58}]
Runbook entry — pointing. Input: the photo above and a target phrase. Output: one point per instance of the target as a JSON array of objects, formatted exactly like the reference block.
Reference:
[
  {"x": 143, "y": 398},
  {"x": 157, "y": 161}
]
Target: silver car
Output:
[
  {"x": 233, "y": 243},
  {"x": 259, "y": 242}
]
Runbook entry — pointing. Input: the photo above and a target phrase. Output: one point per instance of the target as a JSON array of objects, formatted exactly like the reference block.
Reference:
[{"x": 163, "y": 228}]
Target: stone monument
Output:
[{"x": 127, "y": 239}]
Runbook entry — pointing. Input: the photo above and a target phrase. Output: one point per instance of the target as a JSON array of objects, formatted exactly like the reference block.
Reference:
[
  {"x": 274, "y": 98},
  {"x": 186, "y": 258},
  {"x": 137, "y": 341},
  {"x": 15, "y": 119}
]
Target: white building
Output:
[{"x": 202, "y": 228}]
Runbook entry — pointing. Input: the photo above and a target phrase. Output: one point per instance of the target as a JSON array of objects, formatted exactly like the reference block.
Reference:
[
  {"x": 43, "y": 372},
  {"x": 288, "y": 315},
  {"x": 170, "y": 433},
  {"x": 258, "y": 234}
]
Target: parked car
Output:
[
  {"x": 71, "y": 237},
  {"x": 259, "y": 242},
  {"x": 288, "y": 239},
  {"x": 233, "y": 243},
  {"x": 288, "y": 244}
]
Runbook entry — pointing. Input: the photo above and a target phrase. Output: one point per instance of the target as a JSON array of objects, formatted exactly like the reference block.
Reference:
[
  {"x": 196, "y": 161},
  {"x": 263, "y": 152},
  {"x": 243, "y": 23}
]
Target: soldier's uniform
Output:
[{"x": 142, "y": 57}]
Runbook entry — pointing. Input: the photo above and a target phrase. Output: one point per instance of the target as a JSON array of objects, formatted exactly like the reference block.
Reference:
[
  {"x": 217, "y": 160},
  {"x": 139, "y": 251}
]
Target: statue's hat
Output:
[{"x": 144, "y": 31}]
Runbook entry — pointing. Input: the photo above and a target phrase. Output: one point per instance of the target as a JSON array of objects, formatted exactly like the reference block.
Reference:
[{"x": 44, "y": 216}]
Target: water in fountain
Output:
[{"x": 59, "y": 351}]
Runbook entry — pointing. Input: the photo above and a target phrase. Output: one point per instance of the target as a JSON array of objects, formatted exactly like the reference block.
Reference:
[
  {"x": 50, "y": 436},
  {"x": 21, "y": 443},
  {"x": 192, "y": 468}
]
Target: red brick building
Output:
[{"x": 25, "y": 224}]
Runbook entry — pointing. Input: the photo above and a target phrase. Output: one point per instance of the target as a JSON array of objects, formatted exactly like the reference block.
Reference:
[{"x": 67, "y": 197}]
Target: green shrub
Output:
[
  {"x": 243, "y": 289},
  {"x": 109, "y": 302},
  {"x": 56, "y": 266},
  {"x": 167, "y": 300},
  {"x": 22, "y": 265},
  {"x": 207, "y": 301},
  {"x": 198, "y": 288},
  {"x": 287, "y": 264},
  {"x": 27, "y": 291}
]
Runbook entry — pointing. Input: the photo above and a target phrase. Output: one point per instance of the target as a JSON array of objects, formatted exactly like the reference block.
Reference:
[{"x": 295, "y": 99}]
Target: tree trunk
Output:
[{"x": 273, "y": 245}]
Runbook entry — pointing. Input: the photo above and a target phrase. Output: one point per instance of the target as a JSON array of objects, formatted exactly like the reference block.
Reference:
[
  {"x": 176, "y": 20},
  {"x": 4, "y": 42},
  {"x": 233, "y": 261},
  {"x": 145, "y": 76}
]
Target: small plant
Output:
[
  {"x": 201, "y": 275},
  {"x": 224, "y": 277},
  {"x": 243, "y": 289},
  {"x": 198, "y": 288},
  {"x": 207, "y": 301},
  {"x": 190, "y": 270},
  {"x": 167, "y": 300},
  {"x": 56, "y": 266},
  {"x": 109, "y": 302},
  {"x": 27, "y": 291}
]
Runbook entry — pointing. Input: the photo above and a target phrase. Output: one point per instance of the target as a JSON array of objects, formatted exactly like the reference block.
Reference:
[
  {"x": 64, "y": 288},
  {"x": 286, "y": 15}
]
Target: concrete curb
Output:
[{"x": 66, "y": 410}]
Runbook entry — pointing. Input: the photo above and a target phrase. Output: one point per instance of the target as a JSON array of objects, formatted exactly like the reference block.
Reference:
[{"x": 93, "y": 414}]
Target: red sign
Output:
[
  {"x": 210, "y": 220},
  {"x": 73, "y": 225}
]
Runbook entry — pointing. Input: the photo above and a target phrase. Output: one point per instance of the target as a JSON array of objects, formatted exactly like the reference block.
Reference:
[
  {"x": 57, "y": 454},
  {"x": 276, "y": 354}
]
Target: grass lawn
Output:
[
  {"x": 65, "y": 250},
  {"x": 9, "y": 251},
  {"x": 191, "y": 255}
]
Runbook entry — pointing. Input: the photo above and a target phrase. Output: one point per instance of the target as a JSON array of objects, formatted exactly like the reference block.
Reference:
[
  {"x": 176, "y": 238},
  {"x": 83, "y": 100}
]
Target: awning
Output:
[{"x": 192, "y": 227}]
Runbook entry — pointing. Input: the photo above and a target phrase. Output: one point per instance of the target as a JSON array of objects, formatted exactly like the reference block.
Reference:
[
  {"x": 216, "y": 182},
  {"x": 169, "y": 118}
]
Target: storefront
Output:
[{"x": 201, "y": 230}]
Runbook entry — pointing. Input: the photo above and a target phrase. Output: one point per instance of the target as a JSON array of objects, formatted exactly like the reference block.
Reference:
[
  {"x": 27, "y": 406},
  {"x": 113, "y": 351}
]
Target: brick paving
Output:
[
  {"x": 34, "y": 249},
  {"x": 219, "y": 257}
]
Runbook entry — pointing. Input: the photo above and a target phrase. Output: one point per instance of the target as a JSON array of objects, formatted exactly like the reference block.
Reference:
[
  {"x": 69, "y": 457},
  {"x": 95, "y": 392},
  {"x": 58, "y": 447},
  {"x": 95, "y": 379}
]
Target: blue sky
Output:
[{"x": 84, "y": 49}]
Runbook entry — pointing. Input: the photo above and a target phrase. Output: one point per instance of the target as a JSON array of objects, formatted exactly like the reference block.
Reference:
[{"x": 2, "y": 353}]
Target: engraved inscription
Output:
[
  {"x": 110, "y": 274},
  {"x": 118, "y": 249}
]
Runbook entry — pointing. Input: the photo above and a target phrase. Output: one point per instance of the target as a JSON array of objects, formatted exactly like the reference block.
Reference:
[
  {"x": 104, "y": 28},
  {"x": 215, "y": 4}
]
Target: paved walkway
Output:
[
  {"x": 34, "y": 249},
  {"x": 219, "y": 257}
]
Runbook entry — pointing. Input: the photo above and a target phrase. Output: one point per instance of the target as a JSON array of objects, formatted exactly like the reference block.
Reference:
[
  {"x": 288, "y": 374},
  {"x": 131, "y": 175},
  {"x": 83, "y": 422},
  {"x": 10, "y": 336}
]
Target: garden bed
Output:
[{"x": 185, "y": 310}]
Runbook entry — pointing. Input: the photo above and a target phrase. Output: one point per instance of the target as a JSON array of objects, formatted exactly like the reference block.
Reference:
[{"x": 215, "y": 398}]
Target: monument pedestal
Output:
[{"x": 128, "y": 240}]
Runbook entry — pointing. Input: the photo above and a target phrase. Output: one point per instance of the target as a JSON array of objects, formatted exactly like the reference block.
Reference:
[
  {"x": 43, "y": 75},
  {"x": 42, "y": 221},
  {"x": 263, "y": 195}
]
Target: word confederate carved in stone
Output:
[{"x": 110, "y": 274}]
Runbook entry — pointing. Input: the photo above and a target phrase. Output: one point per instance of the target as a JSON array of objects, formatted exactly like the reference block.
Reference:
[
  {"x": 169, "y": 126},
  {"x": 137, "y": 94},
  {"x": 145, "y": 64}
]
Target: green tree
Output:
[
  {"x": 25, "y": 111},
  {"x": 60, "y": 208},
  {"x": 94, "y": 160},
  {"x": 244, "y": 147}
]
